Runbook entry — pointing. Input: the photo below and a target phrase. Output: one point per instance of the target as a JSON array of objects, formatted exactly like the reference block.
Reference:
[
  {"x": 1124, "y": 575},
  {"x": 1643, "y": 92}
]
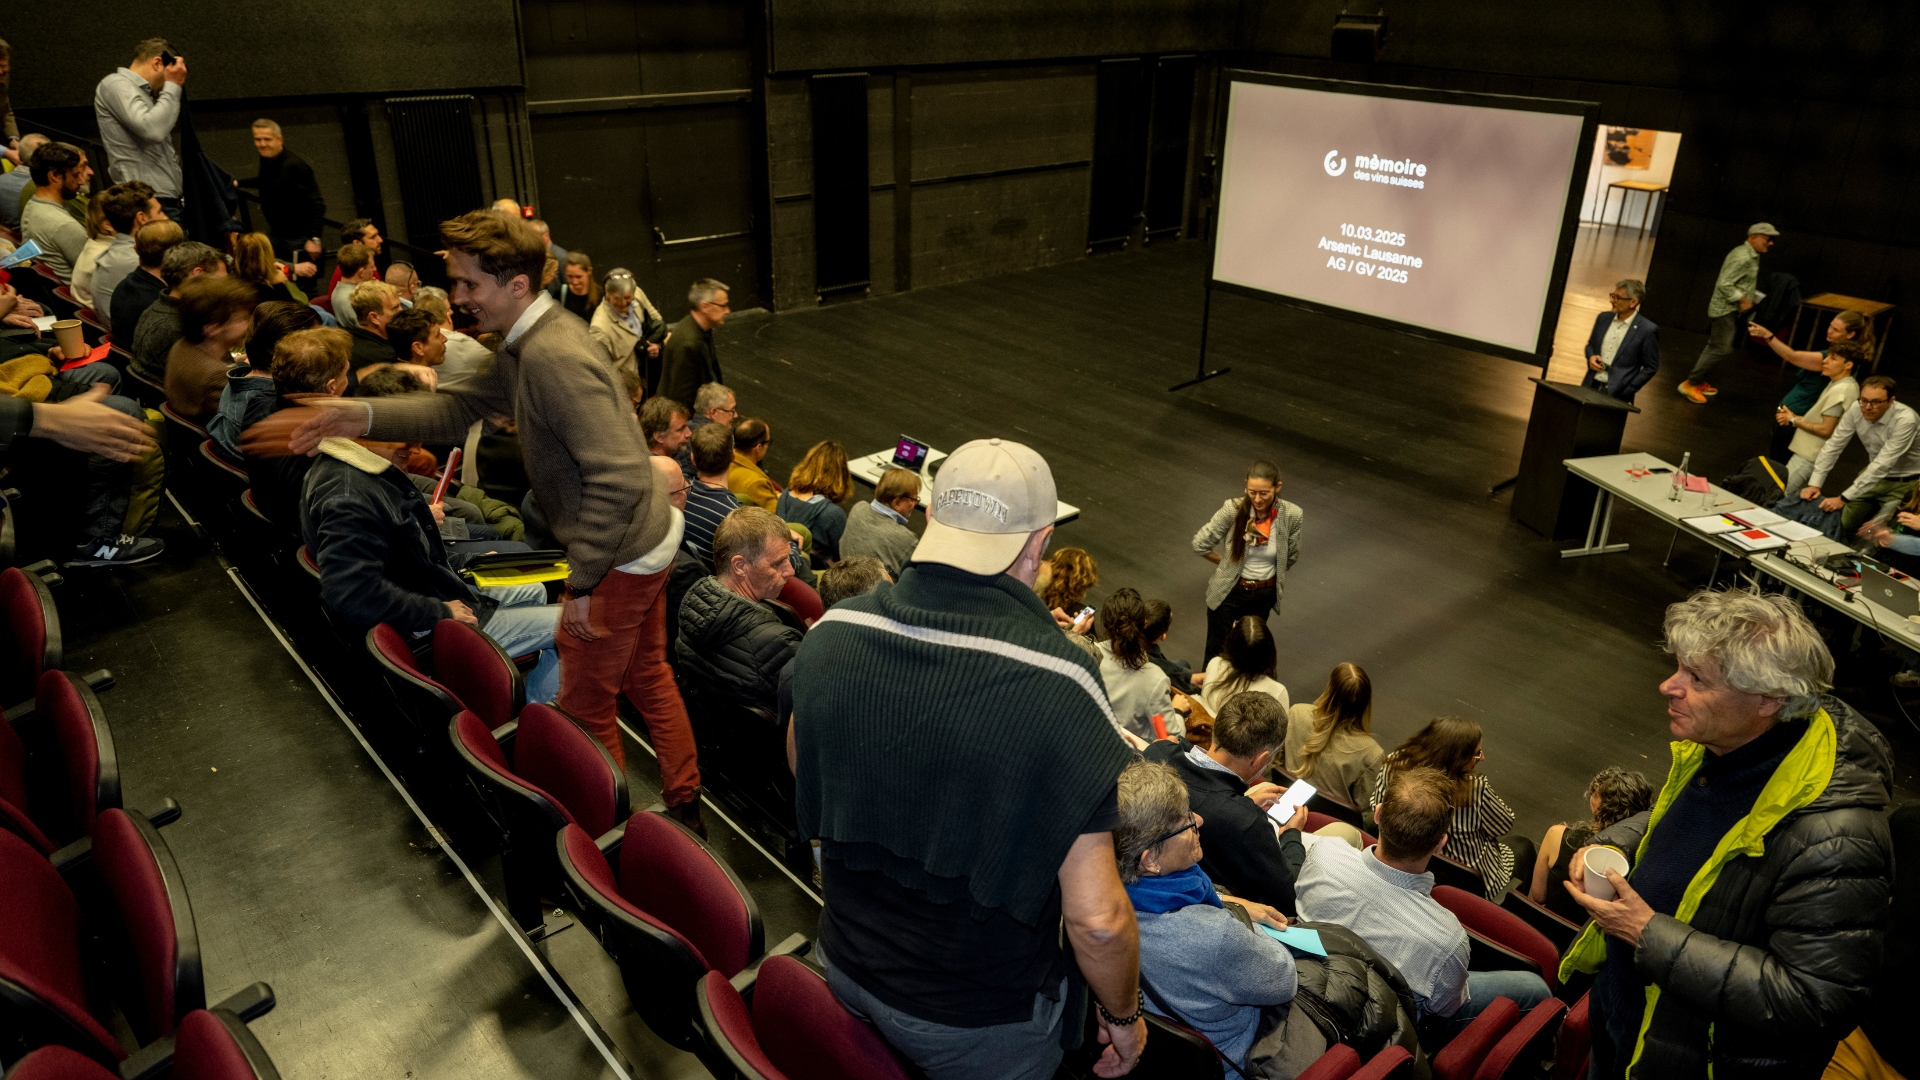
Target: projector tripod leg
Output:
[
  {"x": 1503, "y": 485},
  {"x": 1201, "y": 374}
]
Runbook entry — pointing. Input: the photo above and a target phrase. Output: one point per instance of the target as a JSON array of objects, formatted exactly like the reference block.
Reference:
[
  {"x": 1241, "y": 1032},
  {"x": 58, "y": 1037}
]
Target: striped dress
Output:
[{"x": 1474, "y": 836}]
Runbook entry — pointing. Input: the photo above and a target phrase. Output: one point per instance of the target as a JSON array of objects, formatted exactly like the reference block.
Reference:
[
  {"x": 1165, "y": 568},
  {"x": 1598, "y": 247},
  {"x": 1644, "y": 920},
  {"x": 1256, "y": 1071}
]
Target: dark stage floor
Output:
[{"x": 309, "y": 869}]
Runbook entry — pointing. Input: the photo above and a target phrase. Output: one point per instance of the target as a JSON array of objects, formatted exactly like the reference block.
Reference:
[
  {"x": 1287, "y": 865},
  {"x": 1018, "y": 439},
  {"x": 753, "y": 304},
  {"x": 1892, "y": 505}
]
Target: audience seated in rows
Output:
[
  {"x": 215, "y": 315},
  {"x": 137, "y": 291},
  {"x": 128, "y": 208},
  {"x": 752, "y": 438},
  {"x": 1478, "y": 833},
  {"x": 1384, "y": 894},
  {"x": 879, "y": 527},
  {"x": 663, "y": 423},
  {"x": 1159, "y": 625},
  {"x": 1206, "y": 961},
  {"x": 159, "y": 327},
  {"x": 815, "y": 489},
  {"x": 1614, "y": 796},
  {"x": 1243, "y": 851},
  {"x": 1330, "y": 741},
  {"x": 249, "y": 394},
  {"x": 1247, "y": 660},
  {"x": 405, "y": 281},
  {"x": 315, "y": 361},
  {"x": 708, "y": 500},
  {"x": 381, "y": 560},
  {"x": 59, "y": 171},
  {"x": 629, "y": 328},
  {"x": 851, "y": 577},
  {"x": 371, "y": 305},
  {"x": 353, "y": 267},
  {"x": 730, "y": 639},
  {"x": 462, "y": 356},
  {"x": 1065, "y": 579},
  {"x": 712, "y": 403},
  {"x": 1137, "y": 689},
  {"x": 255, "y": 264}
]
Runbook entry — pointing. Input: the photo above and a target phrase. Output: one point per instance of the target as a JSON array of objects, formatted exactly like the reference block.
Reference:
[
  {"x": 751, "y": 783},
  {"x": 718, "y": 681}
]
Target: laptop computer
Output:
[
  {"x": 909, "y": 453},
  {"x": 1899, "y": 597}
]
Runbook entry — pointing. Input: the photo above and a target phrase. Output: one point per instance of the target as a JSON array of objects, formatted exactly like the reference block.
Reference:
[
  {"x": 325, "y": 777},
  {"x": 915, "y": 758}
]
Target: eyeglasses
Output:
[
  {"x": 1193, "y": 824},
  {"x": 715, "y": 303},
  {"x": 675, "y": 491}
]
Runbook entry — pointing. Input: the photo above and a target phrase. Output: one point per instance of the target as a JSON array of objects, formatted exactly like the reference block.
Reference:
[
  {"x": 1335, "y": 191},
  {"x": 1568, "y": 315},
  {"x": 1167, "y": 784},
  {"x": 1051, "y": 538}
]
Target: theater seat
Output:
[
  {"x": 791, "y": 1028},
  {"x": 427, "y": 703},
  {"x": 33, "y": 634},
  {"x": 156, "y": 919},
  {"x": 1461, "y": 1058},
  {"x": 65, "y": 771},
  {"x": 668, "y": 910},
  {"x": 1521, "y": 1050},
  {"x": 1574, "y": 1044},
  {"x": 1340, "y": 1062},
  {"x": 43, "y": 990},
  {"x": 221, "y": 469},
  {"x": 1393, "y": 1063},
  {"x": 1501, "y": 939},
  {"x": 557, "y": 775},
  {"x": 478, "y": 674},
  {"x": 1559, "y": 932},
  {"x": 803, "y": 600},
  {"x": 213, "y": 1044},
  {"x": 197, "y": 431}
]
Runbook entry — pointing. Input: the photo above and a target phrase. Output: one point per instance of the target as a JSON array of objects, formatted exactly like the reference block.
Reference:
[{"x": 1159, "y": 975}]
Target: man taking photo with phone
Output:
[{"x": 137, "y": 107}]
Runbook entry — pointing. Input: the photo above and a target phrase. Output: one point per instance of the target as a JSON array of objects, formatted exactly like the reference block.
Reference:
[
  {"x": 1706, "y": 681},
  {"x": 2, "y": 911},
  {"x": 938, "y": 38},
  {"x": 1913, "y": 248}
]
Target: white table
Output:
[
  {"x": 1787, "y": 565},
  {"x": 871, "y": 467}
]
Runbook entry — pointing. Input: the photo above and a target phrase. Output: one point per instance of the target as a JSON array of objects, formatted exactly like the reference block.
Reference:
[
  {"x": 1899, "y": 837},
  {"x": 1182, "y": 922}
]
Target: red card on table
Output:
[{"x": 1698, "y": 483}]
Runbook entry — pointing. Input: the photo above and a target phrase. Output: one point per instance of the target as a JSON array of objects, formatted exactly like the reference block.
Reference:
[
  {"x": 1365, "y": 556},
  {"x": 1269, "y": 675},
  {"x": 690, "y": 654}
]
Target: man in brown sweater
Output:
[{"x": 587, "y": 467}]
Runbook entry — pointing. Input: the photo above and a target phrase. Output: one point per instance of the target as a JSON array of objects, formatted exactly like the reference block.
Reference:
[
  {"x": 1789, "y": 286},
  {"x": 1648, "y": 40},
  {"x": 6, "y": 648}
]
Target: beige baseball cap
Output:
[{"x": 988, "y": 497}]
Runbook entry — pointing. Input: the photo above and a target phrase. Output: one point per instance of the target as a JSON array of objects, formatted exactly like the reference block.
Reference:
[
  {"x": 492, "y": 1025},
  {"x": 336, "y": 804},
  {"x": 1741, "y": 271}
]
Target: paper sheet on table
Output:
[
  {"x": 1793, "y": 530},
  {"x": 1757, "y": 516},
  {"x": 1297, "y": 937},
  {"x": 1712, "y": 524}
]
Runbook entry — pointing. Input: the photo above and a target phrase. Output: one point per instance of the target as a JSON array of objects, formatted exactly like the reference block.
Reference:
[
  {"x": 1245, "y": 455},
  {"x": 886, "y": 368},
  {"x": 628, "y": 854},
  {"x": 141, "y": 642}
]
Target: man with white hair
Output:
[
  {"x": 688, "y": 357},
  {"x": 1747, "y": 935},
  {"x": 290, "y": 196}
]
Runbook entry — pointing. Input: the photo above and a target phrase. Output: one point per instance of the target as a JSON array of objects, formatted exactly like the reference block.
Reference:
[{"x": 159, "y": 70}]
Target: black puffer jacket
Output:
[
  {"x": 1356, "y": 997},
  {"x": 733, "y": 645},
  {"x": 1778, "y": 961}
]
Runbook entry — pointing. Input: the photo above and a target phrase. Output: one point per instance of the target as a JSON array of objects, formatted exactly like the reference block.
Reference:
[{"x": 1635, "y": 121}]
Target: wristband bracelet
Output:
[{"x": 1123, "y": 1021}]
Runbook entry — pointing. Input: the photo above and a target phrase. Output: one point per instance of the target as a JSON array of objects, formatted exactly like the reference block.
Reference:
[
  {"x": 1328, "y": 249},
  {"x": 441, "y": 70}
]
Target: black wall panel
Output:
[
  {"x": 1118, "y": 202},
  {"x": 840, "y": 218},
  {"x": 810, "y": 35},
  {"x": 253, "y": 49}
]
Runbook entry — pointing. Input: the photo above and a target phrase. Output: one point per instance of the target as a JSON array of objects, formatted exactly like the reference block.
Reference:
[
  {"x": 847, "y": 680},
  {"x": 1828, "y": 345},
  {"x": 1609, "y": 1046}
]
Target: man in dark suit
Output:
[
  {"x": 688, "y": 358},
  {"x": 1623, "y": 352}
]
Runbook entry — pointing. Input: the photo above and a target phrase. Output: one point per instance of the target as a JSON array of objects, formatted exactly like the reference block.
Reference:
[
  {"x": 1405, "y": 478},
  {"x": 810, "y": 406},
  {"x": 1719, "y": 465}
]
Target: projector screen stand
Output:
[{"x": 1201, "y": 374}]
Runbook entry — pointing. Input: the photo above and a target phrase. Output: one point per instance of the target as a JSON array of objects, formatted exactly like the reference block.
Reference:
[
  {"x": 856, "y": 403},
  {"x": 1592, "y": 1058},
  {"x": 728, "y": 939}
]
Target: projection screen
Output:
[{"x": 1449, "y": 215}]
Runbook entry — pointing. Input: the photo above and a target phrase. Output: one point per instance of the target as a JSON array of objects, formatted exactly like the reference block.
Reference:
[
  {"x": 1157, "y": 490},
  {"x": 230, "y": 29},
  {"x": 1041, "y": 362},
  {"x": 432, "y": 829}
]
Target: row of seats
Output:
[{"x": 100, "y": 968}]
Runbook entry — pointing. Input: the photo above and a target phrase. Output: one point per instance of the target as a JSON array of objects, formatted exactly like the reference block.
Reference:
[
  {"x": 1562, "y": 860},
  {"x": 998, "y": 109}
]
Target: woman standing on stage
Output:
[{"x": 1253, "y": 541}]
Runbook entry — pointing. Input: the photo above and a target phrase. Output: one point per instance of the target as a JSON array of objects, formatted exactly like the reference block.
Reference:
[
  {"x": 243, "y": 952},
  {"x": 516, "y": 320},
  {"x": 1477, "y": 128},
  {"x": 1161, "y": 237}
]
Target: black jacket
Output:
[
  {"x": 1636, "y": 361},
  {"x": 289, "y": 197},
  {"x": 1779, "y": 960},
  {"x": 131, "y": 299},
  {"x": 380, "y": 555},
  {"x": 732, "y": 644},
  {"x": 1239, "y": 848},
  {"x": 687, "y": 360},
  {"x": 368, "y": 347}
]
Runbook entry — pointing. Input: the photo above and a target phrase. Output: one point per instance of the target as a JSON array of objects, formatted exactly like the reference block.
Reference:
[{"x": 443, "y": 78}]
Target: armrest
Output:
[
  {"x": 168, "y": 813},
  {"x": 609, "y": 842},
  {"x": 19, "y": 712},
  {"x": 99, "y": 681},
  {"x": 72, "y": 857},
  {"x": 45, "y": 566},
  {"x": 150, "y": 1062},
  {"x": 795, "y": 945},
  {"x": 504, "y": 735},
  {"x": 250, "y": 1003}
]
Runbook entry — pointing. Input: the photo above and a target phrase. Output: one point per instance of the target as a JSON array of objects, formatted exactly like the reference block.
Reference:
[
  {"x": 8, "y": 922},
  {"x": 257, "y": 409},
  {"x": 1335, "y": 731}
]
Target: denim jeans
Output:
[
  {"x": 1524, "y": 987},
  {"x": 525, "y": 623},
  {"x": 1028, "y": 1050}
]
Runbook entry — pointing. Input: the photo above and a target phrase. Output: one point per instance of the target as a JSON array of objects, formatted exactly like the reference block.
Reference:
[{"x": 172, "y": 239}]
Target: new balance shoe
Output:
[{"x": 122, "y": 550}]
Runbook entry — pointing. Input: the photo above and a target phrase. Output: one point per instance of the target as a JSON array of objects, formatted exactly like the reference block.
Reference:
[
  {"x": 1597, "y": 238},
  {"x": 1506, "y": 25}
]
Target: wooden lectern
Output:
[{"x": 1569, "y": 421}]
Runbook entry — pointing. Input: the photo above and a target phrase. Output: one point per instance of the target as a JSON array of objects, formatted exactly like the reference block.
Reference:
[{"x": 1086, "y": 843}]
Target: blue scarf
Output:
[{"x": 1171, "y": 892}]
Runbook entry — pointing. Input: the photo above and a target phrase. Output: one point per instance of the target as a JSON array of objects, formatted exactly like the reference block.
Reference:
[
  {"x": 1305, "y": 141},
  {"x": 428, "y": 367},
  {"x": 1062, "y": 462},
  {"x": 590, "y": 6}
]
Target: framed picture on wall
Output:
[{"x": 1630, "y": 148}]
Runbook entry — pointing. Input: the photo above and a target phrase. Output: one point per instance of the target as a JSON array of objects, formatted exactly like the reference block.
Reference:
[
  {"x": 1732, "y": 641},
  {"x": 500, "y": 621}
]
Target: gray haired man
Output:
[
  {"x": 1747, "y": 934},
  {"x": 1733, "y": 296},
  {"x": 1623, "y": 351},
  {"x": 688, "y": 357}
]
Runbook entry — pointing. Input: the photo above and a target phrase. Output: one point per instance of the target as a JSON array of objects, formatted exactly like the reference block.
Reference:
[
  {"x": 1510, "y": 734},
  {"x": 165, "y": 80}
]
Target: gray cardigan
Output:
[
  {"x": 1215, "y": 972},
  {"x": 1227, "y": 574},
  {"x": 870, "y": 532}
]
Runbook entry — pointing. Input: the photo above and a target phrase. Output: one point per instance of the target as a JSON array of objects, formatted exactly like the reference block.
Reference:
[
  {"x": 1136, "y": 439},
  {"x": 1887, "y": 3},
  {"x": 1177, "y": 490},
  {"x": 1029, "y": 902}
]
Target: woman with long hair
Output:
[
  {"x": 1330, "y": 741},
  {"x": 582, "y": 294},
  {"x": 629, "y": 329},
  {"x": 1252, "y": 540},
  {"x": 1137, "y": 688},
  {"x": 1478, "y": 836},
  {"x": 1065, "y": 578},
  {"x": 1614, "y": 795},
  {"x": 815, "y": 489},
  {"x": 1248, "y": 660},
  {"x": 1810, "y": 380},
  {"x": 253, "y": 263},
  {"x": 100, "y": 234}
]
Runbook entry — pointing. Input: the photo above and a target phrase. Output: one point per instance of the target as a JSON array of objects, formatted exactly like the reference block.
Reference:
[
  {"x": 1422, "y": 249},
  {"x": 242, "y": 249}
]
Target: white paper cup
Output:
[{"x": 1599, "y": 860}]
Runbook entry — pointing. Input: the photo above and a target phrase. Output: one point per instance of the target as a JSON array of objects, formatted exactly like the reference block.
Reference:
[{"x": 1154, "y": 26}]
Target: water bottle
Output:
[{"x": 1680, "y": 478}]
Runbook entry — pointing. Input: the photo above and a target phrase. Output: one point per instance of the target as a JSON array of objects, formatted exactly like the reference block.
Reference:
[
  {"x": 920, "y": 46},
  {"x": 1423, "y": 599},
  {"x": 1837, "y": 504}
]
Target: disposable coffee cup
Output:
[
  {"x": 73, "y": 343},
  {"x": 1599, "y": 860}
]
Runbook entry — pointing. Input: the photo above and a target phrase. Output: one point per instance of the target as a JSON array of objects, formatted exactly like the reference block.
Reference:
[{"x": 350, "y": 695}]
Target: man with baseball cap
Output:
[
  {"x": 1732, "y": 297},
  {"x": 958, "y": 760}
]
